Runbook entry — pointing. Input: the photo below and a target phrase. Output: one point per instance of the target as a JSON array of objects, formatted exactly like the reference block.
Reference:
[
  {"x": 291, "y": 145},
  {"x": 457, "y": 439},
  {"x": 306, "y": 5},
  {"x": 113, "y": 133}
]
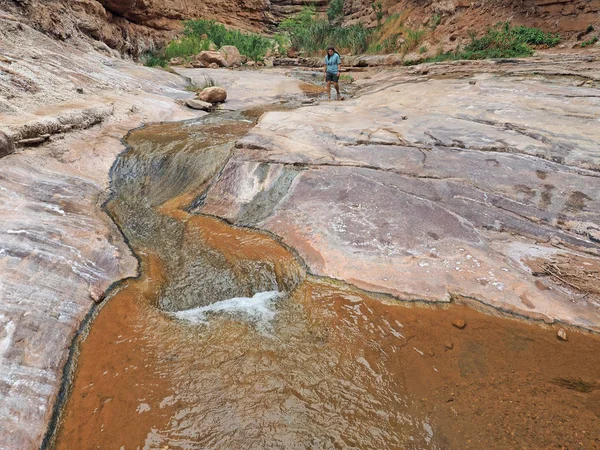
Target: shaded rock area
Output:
[
  {"x": 448, "y": 203},
  {"x": 6, "y": 145},
  {"x": 59, "y": 251}
]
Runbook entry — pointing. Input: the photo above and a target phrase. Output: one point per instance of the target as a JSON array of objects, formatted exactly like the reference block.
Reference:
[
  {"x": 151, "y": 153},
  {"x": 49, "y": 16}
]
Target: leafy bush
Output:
[
  {"x": 590, "y": 41},
  {"x": 312, "y": 34},
  {"x": 502, "y": 41},
  {"x": 253, "y": 45},
  {"x": 187, "y": 46},
  {"x": 532, "y": 36},
  {"x": 434, "y": 21},
  {"x": 152, "y": 59},
  {"x": 335, "y": 10},
  {"x": 378, "y": 8},
  {"x": 413, "y": 39}
]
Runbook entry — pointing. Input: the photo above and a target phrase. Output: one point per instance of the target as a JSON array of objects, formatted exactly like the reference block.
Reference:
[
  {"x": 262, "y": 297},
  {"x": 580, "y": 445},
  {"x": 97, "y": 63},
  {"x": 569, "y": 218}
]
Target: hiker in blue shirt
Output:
[{"x": 332, "y": 71}]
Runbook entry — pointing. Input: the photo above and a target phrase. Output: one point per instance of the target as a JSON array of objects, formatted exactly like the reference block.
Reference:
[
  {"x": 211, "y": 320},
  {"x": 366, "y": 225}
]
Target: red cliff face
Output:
[
  {"x": 134, "y": 26},
  {"x": 564, "y": 16}
]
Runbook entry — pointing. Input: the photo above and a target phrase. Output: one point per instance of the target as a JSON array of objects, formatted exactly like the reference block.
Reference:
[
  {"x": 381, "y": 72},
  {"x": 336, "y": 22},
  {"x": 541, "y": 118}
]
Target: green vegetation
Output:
[
  {"x": 434, "y": 21},
  {"x": 501, "y": 41},
  {"x": 335, "y": 10},
  {"x": 201, "y": 35},
  {"x": 590, "y": 41},
  {"x": 253, "y": 45},
  {"x": 346, "y": 78},
  {"x": 311, "y": 34},
  {"x": 378, "y": 8},
  {"x": 153, "y": 60}
]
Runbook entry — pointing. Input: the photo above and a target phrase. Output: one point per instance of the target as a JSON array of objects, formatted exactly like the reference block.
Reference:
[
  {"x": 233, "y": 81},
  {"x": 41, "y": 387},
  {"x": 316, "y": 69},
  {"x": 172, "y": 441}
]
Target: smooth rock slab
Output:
[{"x": 452, "y": 202}]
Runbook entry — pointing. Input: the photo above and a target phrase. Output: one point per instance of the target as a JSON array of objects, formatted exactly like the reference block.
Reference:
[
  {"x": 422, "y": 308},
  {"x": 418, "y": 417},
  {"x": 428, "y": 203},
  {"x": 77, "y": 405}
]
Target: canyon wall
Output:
[
  {"x": 567, "y": 17},
  {"x": 135, "y": 26}
]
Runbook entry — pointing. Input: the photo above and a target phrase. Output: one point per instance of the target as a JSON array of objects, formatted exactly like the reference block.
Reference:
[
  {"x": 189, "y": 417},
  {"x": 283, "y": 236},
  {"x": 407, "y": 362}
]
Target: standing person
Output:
[{"x": 332, "y": 71}]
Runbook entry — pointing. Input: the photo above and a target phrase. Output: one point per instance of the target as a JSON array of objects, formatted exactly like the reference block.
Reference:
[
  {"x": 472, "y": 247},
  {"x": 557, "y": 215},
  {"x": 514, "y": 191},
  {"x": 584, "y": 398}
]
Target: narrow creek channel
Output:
[{"x": 225, "y": 342}]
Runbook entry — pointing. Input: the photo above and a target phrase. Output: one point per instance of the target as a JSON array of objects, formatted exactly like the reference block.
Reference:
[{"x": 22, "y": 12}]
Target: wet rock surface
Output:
[
  {"x": 447, "y": 203},
  {"x": 452, "y": 203},
  {"x": 59, "y": 251}
]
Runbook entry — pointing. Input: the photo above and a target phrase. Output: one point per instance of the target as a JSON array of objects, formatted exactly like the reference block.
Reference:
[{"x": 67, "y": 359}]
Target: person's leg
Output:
[
  {"x": 329, "y": 90},
  {"x": 337, "y": 89}
]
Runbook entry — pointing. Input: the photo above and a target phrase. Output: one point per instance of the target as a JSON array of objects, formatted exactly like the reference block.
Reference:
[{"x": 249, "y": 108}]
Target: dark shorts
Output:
[{"x": 332, "y": 77}]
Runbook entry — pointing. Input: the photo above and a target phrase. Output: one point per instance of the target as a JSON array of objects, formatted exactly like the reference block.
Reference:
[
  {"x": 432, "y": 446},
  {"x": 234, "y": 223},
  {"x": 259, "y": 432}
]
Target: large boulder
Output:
[
  {"x": 6, "y": 145},
  {"x": 232, "y": 55},
  {"x": 207, "y": 58},
  {"x": 213, "y": 94}
]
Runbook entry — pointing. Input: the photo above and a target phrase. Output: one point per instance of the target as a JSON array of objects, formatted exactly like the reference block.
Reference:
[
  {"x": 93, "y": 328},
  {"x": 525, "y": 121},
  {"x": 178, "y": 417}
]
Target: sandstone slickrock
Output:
[
  {"x": 246, "y": 89},
  {"x": 58, "y": 247},
  {"x": 214, "y": 94},
  {"x": 410, "y": 207}
]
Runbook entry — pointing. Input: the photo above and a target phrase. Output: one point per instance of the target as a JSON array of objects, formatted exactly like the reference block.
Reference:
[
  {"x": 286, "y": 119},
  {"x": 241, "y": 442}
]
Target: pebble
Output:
[
  {"x": 449, "y": 345},
  {"x": 562, "y": 334},
  {"x": 459, "y": 323},
  {"x": 96, "y": 294},
  {"x": 472, "y": 82}
]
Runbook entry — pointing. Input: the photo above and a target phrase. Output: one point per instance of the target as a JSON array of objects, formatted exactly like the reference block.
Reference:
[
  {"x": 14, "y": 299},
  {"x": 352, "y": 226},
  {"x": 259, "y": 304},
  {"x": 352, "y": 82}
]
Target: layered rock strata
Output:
[{"x": 59, "y": 251}]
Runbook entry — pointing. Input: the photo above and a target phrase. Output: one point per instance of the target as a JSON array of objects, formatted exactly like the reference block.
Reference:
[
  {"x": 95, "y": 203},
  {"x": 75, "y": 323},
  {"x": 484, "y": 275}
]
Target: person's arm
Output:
[{"x": 339, "y": 64}]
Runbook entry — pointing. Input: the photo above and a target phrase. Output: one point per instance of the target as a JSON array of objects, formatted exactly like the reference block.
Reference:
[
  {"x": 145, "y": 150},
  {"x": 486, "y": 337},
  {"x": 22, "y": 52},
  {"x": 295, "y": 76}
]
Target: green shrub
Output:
[
  {"x": 378, "y": 8},
  {"x": 590, "y": 41},
  {"x": 254, "y": 46},
  {"x": 309, "y": 33},
  {"x": 434, "y": 21},
  {"x": 186, "y": 47},
  {"x": 531, "y": 36},
  {"x": 335, "y": 10},
  {"x": 501, "y": 41},
  {"x": 413, "y": 39},
  {"x": 152, "y": 59}
]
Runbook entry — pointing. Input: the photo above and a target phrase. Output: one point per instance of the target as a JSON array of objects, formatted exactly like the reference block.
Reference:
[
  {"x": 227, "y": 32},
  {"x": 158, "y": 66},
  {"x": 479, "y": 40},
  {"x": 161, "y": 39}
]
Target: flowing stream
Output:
[{"x": 225, "y": 342}]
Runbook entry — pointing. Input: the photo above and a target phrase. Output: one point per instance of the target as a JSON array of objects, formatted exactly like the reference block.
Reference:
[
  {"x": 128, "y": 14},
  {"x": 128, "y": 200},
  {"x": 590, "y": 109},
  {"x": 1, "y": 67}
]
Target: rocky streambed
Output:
[{"x": 226, "y": 342}]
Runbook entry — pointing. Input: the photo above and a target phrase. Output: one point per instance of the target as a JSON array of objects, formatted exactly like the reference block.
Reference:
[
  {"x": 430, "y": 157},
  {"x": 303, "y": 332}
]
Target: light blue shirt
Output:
[{"x": 332, "y": 63}]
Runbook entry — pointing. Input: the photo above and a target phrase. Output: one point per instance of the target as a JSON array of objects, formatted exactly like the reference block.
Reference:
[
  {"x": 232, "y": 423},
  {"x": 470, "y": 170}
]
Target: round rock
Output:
[
  {"x": 214, "y": 94},
  {"x": 459, "y": 323}
]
